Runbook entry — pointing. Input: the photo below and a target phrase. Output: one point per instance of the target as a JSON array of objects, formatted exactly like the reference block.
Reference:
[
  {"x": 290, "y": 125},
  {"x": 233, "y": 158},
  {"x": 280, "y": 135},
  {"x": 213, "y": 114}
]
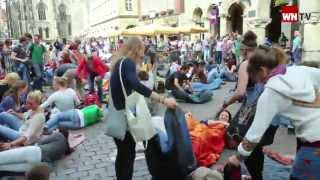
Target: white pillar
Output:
[
  {"x": 311, "y": 29},
  {"x": 223, "y": 26}
]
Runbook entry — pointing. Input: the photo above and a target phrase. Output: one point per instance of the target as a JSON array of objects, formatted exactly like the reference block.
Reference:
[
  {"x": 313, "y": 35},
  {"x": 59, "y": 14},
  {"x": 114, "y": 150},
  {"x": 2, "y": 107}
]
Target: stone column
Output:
[
  {"x": 311, "y": 31},
  {"x": 223, "y": 26}
]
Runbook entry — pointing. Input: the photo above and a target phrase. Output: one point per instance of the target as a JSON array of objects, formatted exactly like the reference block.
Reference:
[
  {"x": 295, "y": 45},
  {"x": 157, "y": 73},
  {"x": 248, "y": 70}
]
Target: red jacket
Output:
[{"x": 98, "y": 67}]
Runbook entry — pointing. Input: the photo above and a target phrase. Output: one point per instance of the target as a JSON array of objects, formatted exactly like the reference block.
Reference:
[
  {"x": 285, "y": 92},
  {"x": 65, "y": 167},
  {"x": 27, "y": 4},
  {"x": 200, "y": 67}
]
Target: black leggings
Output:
[
  {"x": 255, "y": 161},
  {"x": 126, "y": 155}
]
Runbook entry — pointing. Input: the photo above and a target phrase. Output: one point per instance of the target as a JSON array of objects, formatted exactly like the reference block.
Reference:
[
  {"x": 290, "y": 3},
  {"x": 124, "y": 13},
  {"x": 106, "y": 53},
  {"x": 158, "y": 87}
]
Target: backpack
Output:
[{"x": 91, "y": 98}]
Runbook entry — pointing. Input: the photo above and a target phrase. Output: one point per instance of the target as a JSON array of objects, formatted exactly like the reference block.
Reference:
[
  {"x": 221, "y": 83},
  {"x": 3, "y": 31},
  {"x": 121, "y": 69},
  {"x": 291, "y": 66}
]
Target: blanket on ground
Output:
[{"x": 207, "y": 141}]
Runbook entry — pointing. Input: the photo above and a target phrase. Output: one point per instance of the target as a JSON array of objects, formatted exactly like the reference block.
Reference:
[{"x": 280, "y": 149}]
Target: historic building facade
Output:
[
  {"x": 49, "y": 18},
  {"x": 107, "y": 16}
]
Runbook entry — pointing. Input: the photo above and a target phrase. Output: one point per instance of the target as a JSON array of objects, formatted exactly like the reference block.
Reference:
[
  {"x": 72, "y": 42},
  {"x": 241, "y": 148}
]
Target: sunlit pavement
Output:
[{"x": 94, "y": 159}]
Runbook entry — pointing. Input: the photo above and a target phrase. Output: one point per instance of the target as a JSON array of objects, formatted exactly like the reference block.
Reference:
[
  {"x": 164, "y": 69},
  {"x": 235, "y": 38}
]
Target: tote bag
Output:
[{"x": 137, "y": 114}]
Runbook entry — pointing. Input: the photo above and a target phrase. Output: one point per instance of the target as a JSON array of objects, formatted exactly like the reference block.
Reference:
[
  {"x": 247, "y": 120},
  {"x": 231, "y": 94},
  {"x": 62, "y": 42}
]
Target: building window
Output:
[
  {"x": 47, "y": 33},
  {"x": 40, "y": 32},
  {"x": 42, "y": 10},
  {"x": 129, "y": 5},
  {"x": 69, "y": 29},
  {"x": 63, "y": 12}
]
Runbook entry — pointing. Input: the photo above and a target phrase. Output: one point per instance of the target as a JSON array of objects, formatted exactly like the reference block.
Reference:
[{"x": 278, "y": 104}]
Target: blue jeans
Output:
[
  {"x": 198, "y": 87},
  {"x": 306, "y": 164},
  {"x": 23, "y": 72},
  {"x": 38, "y": 70},
  {"x": 218, "y": 57},
  {"x": 206, "y": 54},
  {"x": 282, "y": 121},
  {"x": 9, "y": 127},
  {"x": 99, "y": 85},
  {"x": 297, "y": 56},
  {"x": 67, "y": 119}
]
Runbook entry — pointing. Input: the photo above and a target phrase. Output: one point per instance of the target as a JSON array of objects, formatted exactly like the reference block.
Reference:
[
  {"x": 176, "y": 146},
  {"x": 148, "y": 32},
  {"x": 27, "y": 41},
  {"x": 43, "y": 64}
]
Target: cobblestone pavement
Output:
[{"x": 94, "y": 159}]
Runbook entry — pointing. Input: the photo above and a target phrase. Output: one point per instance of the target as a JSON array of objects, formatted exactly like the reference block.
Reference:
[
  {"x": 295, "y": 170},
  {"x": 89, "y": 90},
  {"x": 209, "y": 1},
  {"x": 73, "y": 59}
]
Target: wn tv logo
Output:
[{"x": 291, "y": 14}]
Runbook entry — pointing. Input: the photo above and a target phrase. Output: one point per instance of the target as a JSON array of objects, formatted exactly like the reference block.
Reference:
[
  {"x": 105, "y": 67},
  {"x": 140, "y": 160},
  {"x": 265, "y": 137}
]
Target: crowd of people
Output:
[{"x": 35, "y": 121}]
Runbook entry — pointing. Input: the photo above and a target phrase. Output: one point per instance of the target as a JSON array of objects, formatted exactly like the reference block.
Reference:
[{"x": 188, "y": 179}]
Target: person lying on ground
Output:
[
  {"x": 208, "y": 137},
  {"x": 47, "y": 150},
  {"x": 23, "y": 129},
  {"x": 74, "y": 119},
  {"x": 11, "y": 100},
  {"x": 64, "y": 98}
]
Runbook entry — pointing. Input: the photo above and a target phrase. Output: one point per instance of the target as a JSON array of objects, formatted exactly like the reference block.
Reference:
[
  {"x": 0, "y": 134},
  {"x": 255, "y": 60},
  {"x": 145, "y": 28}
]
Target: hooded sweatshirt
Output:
[{"x": 281, "y": 93}]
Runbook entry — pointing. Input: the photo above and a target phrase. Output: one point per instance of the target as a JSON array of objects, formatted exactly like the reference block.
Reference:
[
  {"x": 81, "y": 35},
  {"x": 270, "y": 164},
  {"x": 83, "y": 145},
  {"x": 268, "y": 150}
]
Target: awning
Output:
[
  {"x": 190, "y": 29},
  {"x": 150, "y": 30}
]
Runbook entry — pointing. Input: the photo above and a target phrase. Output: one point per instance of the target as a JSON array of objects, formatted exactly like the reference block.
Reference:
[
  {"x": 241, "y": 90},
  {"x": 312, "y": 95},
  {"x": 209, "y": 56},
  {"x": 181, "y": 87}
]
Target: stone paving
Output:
[{"x": 94, "y": 159}]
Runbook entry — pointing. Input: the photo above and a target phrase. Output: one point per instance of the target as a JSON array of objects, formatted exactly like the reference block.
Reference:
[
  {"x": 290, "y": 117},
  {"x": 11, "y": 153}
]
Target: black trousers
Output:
[
  {"x": 255, "y": 161},
  {"x": 125, "y": 157}
]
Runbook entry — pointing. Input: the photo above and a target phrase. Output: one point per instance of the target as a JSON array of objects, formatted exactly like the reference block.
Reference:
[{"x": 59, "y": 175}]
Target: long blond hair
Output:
[
  {"x": 36, "y": 96},
  {"x": 10, "y": 79},
  {"x": 131, "y": 49}
]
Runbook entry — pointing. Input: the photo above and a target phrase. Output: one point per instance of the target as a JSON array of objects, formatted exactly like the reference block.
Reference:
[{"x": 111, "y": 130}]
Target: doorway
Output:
[{"x": 235, "y": 18}]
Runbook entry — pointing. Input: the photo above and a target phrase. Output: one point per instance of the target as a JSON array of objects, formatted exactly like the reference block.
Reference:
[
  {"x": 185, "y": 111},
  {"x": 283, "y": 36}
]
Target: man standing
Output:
[
  {"x": 297, "y": 48},
  {"x": 20, "y": 57},
  {"x": 37, "y": 52}
]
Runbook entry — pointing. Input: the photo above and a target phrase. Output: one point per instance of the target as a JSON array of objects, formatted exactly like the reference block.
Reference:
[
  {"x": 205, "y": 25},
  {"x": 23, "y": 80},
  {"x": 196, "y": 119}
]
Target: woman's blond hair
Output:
[
  {"x": 36, "y": 96},
  {"x": 131, "y": 49},
  {"x": 10, "y": 79},
  {"x": 62, "y": 81}
]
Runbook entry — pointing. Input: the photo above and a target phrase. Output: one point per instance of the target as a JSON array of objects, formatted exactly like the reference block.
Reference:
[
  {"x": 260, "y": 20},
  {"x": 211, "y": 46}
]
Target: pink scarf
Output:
[{"x": 280, "y": 69}]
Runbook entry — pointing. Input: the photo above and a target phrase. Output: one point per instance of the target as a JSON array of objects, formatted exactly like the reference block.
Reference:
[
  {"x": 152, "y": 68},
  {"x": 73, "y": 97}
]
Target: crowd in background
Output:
[{"x": 188, "y": 66}]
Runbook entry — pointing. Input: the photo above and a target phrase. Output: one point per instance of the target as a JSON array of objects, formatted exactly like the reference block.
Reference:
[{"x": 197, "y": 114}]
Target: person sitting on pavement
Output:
[
  {"x": 174, "y": 67},
  {"x": 11, "y": 100},
  {"x": 47, "y": 150},
  {"x": 5, "y": 84},
  {"x": 178, "y": 83},
  {"x": 199, "y": 73},
  {"x": 64, "y": 98},
  {"x": 227, "y": 73},
  {"x": 25, "y": 132},
  {"x": 74, "y": 119}
]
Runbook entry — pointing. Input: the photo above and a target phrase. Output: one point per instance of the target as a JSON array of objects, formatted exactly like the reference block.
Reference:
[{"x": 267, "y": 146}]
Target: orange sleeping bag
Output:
[{"x": 207, "y": 141}]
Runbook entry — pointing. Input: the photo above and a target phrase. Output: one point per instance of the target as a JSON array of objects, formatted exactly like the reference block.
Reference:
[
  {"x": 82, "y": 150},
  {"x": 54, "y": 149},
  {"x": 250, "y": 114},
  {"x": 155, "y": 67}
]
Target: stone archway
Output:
[
  {"x": 273, "y": 29},
  {"x": 235, "y": 18},
  {"x": 197, "y": 15}
]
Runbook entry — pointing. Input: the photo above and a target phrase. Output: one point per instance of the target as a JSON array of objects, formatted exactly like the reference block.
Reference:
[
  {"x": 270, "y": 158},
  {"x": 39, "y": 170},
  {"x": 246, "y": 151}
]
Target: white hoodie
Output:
[{"x": 299, "y": 83}]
